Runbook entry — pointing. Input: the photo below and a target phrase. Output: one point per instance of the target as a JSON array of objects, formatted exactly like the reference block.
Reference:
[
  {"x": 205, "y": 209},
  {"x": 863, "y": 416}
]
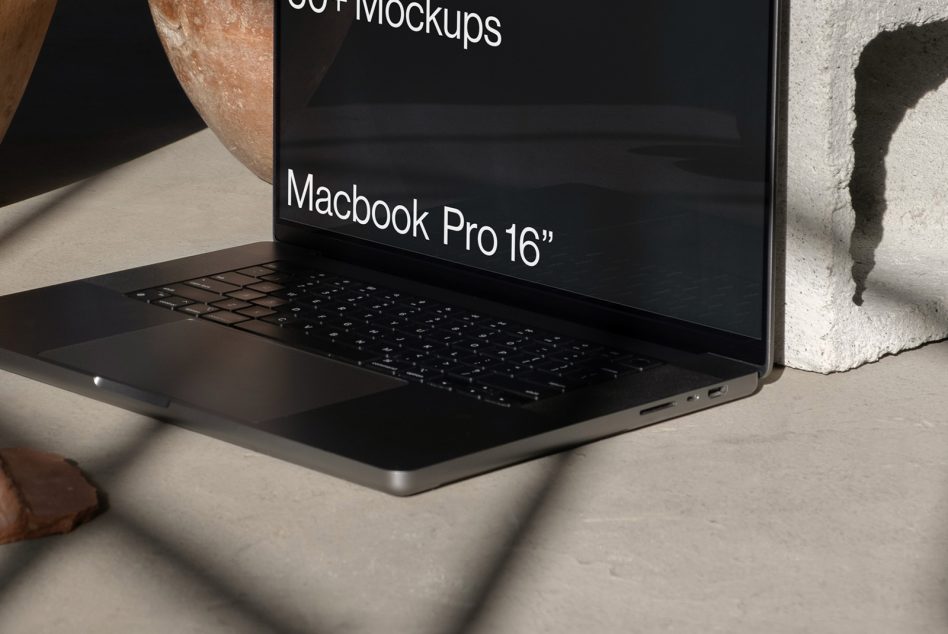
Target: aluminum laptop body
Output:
[{"x": 600, "y": 175}]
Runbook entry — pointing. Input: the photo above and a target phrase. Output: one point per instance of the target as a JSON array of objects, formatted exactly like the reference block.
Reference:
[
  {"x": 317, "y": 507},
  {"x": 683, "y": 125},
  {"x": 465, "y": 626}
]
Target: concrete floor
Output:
[{"x": 818, "y": 505}]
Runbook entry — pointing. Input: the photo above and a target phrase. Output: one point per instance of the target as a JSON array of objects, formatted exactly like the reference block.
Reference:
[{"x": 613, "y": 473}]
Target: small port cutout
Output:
[
  {"x": 657, "y": 408},
  {"x": 717, "y": 392}
]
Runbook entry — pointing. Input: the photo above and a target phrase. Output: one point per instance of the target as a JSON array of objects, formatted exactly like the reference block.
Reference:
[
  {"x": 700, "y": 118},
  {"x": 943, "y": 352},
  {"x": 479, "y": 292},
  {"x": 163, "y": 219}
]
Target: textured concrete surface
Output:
[
  {"x": 818, "y": 505},
  {"x": 867, "y": 217}
]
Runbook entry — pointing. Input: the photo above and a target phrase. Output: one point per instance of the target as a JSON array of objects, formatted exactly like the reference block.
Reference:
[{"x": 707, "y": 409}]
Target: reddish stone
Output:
[{"x": 42, "y": 494}]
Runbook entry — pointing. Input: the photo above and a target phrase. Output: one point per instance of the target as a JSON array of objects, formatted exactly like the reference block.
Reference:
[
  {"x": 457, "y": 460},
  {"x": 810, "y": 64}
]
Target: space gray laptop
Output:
[{"x": 502, "y": 229}]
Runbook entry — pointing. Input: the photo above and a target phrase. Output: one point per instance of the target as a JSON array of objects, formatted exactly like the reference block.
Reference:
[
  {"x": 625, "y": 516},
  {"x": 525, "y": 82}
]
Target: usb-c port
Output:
[{"x": 717, "y": 392}]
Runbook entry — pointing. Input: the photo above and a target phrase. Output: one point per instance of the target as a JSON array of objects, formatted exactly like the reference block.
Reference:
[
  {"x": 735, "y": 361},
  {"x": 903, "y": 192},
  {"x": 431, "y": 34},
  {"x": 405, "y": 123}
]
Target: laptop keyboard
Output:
[{"x": 417, "y": 339}]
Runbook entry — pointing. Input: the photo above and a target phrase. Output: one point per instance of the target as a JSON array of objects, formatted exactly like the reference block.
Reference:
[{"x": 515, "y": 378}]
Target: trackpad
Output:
[{"x": 237, "y": 374}]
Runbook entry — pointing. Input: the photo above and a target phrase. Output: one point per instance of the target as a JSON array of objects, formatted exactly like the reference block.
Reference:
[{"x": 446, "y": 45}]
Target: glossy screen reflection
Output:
[{"x": 634, "y": 133}]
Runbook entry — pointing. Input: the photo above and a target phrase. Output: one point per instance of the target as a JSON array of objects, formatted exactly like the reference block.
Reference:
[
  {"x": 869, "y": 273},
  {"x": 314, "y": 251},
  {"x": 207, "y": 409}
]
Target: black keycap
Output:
[
  {"x": 615, "y": 369},
  {"x": 580, "y": 378},
  {"x": 520, "y": 388},
  {"x": 255, "y": 271},
  {"x": 345, "y": 325},
  {"x": 504, "y": 399},
  {"x": 245, "y": 294},
  {"x": 444, "y": 365},
  {"x": 569, "y": 356},
  {"x": 412, "y": 357},
  {"x": 507, "y": 369},
  {"x": 379, "y": 351},
  {"x": 471, "y": 318},
  {"x": 235, "y": 278},
  {"x": 508, "y": 340},
  {"x": 497, "y": 352},
  {"x": 362, "y": 343},
  {"x": 552, "y": 340},
  {"x": 553, "y": 367},
  {"x": 189, "y": 292},
  {"x": 470, "y": 374},
  {"x": 149, "y": 295},
  {"x": 172, "y": 302},
  {"x": 349, "y": 354},
  {"x": 256, "y": 312},
  {"x": 424, "y": 346},
  {"x": 198, "y": 309},
  {"x": 315, "y": 317},
  {"x": 295, "y": 295},
  {"x": 481, "y": 333},
  {"x": 270, "y": 302},
  {"x": 292, "y": 309},
  {"x": 443, "y": 337},
  {"x": 537, "y": 349},
  {"x": 445, "y": 383},
  {"x": 456, "y": 355},
  {"x": 390, "y": 366},
  {"x": 467, "y": 389},
  {"x": 279, "y": 278},
  {"x": 524, "y": 359},
  {"x": 372, "y": 333},
  {"x": 421, "y": 374},
  {"x": 387, "y": 349},
  {"x": 231, "y": 304},
  {"x": 214, "y": 286},
  {"x": 224, "y": 317},
  {"x": 541, "y": 378},
  {"x": 468, "y": 345},
  {"x": 285, "y": 321},
  {"x": 266, "y": 287}
]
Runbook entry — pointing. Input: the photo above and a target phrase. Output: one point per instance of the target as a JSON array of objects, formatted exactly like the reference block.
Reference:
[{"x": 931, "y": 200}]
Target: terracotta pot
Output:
[
  {"x": 222, "y": 53},
  {"x": 23, "y": 25}
]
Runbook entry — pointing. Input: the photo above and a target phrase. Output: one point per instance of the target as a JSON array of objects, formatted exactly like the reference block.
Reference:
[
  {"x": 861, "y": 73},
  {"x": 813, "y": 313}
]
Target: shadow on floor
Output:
[
  {"x": 116, "y": 121},
  {"x": 102, "y": 93}
]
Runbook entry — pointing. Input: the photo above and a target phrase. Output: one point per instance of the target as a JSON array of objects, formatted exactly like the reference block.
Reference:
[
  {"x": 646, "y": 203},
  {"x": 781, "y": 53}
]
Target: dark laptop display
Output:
[{"x": 615, "y": 151}]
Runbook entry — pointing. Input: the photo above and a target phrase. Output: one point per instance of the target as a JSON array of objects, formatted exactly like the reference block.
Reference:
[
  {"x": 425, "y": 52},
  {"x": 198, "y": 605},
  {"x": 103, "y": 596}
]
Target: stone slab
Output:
[
  {"x": 867, "y": 199},
  {"x": 42, "y": 494}
]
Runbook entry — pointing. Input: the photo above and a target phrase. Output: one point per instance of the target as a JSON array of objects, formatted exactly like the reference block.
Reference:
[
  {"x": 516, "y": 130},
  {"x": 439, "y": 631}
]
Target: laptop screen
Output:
[{"x": 615, "y": 151}]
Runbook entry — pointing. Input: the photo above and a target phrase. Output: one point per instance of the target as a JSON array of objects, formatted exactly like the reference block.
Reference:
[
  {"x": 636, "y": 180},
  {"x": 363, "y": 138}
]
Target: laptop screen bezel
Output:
[{"x": 561, "y": 304}]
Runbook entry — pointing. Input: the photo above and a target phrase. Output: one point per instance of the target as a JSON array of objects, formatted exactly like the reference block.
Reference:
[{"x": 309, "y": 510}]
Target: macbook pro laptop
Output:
[{"x": 501, "y": 229}]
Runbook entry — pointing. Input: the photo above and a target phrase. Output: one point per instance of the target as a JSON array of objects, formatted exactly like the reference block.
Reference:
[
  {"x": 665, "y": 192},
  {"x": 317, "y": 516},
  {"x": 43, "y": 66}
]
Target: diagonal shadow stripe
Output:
[
  {"x": 263, "y": 615},
  {"x": 28, "y": 555},
  {"x": 54, "y": 205},
  {"x": 490, "y": 580}
]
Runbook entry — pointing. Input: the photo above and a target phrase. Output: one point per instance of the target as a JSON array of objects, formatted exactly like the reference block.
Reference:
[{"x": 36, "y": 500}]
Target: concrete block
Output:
[{"x": 867, "y": 181}]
